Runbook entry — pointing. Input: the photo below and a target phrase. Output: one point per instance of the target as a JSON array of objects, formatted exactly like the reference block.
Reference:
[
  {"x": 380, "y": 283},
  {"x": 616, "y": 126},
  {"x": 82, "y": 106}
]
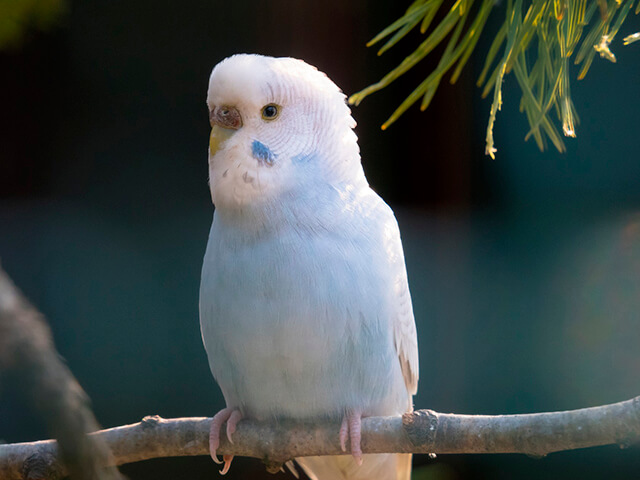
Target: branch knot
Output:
[
  {"x": 151, "y": 421},
  {"x": 421, "y": 427},
  {"x": 41, "y": 466}
]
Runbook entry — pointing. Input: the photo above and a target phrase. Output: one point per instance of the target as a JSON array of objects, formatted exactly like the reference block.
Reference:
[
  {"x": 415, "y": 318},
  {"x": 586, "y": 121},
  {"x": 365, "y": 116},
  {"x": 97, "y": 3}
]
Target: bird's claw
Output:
[
  {"x": 231, "y": 417},
  {"x": 232, "y": 421},
  {"x": 351, "y": 429},
  {"x": 227, "y": 464}
]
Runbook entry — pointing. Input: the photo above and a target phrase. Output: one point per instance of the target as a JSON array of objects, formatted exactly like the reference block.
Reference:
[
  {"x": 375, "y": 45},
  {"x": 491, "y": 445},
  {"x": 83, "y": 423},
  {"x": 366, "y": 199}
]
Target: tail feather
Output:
[{"x": 374, "y": 467}]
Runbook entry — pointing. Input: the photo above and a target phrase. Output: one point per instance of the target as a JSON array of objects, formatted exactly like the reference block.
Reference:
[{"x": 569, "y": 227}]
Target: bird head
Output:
[{"x": 279, "y": 127}]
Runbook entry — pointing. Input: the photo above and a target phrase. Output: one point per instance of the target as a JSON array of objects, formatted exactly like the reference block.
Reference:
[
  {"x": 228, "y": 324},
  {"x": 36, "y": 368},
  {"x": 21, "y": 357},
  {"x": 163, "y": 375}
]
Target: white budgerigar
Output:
[{"x": 304, "y": 301}]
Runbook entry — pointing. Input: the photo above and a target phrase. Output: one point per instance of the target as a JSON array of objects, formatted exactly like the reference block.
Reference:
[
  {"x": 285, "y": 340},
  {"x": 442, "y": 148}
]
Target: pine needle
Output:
[{"x": 539, "y": 38}]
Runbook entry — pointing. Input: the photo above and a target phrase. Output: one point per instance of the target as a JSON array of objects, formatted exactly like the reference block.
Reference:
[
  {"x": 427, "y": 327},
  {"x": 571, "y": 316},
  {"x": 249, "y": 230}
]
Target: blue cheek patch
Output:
[{"x": 262, "y": 153}]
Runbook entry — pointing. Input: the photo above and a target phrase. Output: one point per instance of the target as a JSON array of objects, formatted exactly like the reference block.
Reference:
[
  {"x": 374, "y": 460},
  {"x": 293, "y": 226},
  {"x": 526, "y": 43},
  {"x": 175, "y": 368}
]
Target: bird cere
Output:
[{"x": 305, "y": 308}]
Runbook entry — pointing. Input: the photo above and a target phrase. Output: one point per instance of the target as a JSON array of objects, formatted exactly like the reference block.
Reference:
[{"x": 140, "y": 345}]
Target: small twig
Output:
[
  {"x": 423, "y": 431},
  {"x": 27, "y": 351}
]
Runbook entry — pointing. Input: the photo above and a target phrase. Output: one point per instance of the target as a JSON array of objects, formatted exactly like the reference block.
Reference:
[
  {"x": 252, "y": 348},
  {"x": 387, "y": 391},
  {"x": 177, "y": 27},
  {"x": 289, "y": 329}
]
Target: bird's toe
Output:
[
  {"x": 351, "y": 428},
  {"x": 231, "y": 417}
]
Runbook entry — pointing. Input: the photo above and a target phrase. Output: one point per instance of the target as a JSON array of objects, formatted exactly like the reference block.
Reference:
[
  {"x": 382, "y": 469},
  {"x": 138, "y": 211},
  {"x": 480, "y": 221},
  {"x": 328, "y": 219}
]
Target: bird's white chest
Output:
[{"x": 295, "y": 324}]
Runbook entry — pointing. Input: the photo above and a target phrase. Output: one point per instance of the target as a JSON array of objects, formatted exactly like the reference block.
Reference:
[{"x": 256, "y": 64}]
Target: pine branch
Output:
[
  {"x": 423, "y": 431},
  {"x": 539, "y": 39}
]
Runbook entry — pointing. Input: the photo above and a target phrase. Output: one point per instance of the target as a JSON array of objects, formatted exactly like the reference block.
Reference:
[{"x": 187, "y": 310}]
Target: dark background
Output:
[{"x": 525, "y": 271}]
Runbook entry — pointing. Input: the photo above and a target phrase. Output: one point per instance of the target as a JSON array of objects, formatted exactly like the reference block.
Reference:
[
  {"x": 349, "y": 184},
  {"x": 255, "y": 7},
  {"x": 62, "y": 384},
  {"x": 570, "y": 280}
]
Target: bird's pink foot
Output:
[
  {"x": 231, "y": 417},
  {"x": 351, "y": 429}
]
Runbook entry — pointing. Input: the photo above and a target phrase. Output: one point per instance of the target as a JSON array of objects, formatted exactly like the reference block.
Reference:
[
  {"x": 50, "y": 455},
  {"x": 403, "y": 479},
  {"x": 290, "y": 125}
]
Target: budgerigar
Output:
[{"x": 304, "y": 302}]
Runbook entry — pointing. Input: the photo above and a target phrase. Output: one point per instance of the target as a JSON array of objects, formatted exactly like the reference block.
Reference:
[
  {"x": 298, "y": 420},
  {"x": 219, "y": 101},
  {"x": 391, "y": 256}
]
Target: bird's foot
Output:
[
  {"x": 350, "y": 428},
  {"x": 232, "y": 417}
]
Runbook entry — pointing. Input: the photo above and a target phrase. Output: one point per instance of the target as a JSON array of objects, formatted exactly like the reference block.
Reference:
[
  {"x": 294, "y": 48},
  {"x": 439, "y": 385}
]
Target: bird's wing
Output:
[
  {"x": 404, "y": 325},
  {"x": 404, "y": 332}
]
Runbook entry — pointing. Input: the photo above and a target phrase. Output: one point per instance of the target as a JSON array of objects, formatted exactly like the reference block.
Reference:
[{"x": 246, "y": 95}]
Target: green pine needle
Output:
[{"x": 538, "y": 38}]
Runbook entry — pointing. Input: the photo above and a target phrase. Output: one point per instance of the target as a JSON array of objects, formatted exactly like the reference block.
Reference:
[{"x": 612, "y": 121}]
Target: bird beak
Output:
[{"x": 224, "y": 123}]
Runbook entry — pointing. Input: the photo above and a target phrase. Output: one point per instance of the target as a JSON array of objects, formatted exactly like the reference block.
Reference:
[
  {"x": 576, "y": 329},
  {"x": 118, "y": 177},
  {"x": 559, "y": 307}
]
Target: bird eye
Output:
[{"x": 270, "y": 112}]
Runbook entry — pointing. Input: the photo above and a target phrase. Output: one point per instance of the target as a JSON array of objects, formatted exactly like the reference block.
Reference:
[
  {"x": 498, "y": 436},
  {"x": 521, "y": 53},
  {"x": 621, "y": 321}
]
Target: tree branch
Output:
[
  {"x": 27, "y": 351},
  {"x": 423, "y": 431}
]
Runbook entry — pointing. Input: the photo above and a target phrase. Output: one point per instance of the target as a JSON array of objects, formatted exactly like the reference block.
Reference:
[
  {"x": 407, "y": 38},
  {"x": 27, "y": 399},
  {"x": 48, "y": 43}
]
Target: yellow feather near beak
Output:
[{"x": 218, "y": 136}]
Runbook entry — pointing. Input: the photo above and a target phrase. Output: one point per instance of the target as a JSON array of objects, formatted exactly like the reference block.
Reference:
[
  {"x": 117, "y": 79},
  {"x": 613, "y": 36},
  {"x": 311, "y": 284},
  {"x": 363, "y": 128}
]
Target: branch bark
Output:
[
  {"x": 27, "y": 351},
  {"x": 423, "y": 431}
]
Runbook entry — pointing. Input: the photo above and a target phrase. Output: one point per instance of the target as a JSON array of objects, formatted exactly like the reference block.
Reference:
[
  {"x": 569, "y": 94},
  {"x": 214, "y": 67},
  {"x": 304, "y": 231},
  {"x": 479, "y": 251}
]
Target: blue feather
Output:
[{"x": 262, "y": 153}]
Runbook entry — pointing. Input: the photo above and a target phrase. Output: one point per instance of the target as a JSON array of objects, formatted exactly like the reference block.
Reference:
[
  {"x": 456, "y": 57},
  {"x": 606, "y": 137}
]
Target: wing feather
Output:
[
  {"x": 404, "y": 325},
  {"x": 404, "y": 334}
]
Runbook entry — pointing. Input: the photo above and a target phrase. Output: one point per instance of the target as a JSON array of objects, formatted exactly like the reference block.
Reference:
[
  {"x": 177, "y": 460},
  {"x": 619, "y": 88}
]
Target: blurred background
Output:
[{"x": 524, "y": 271}]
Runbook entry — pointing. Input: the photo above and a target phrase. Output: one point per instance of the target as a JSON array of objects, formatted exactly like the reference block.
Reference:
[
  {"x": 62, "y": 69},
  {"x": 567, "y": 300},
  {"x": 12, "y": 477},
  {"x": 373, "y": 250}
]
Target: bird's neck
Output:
[{"x": 308, "y": 210}]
